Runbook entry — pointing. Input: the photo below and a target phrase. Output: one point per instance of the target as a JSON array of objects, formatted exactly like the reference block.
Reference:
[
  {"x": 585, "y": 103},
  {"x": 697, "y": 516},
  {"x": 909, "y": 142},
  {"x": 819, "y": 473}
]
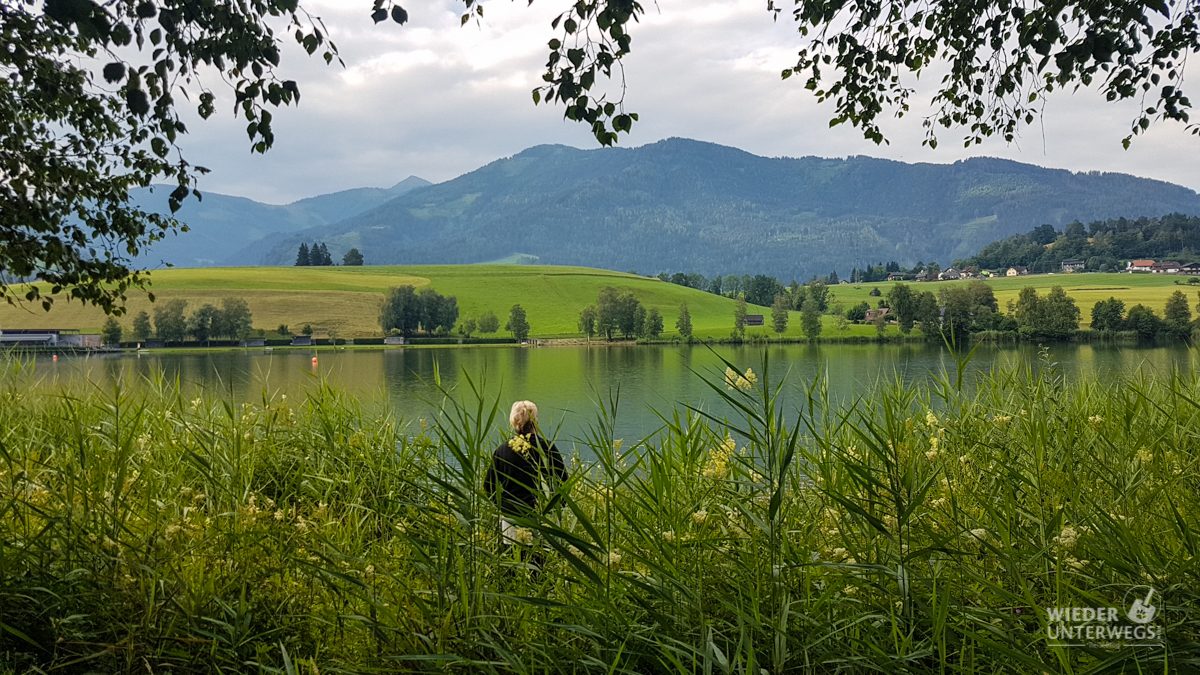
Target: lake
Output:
[{"x": 566, "y": 381}]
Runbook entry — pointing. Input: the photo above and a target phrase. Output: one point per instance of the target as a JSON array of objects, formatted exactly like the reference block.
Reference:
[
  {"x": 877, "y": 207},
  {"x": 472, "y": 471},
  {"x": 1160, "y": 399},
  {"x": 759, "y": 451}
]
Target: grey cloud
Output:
[{"x": 437, "y": 100}]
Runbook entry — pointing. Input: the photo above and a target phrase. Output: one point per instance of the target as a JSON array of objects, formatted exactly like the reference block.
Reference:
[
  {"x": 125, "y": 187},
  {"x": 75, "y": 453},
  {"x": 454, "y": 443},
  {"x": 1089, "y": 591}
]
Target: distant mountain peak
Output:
[{"x": 410, "y": 183}]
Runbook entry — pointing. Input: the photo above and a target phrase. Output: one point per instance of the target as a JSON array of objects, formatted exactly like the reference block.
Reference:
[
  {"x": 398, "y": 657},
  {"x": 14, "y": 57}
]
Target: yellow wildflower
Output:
[
  {"x": 668, "y": 536},
  {"x": 930, "y": 418},
  {"x": 700, "y": 516},
  {"x": 523, "y": 535},
  {"x": 614, "y": 557},
  {"x": 1067, "y": 537},
  {"x": 520, "y": 444},
  {"x": 718, "y": 461},
  {"x": 1095, "y": 420},
  {"x": 1144, "y": 455},
  {"x": 734, "y": 380}
]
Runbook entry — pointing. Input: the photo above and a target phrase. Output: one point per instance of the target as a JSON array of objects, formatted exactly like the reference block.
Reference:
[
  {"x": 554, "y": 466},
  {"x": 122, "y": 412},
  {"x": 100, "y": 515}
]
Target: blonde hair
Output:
[{"x": 523, "y": 417}]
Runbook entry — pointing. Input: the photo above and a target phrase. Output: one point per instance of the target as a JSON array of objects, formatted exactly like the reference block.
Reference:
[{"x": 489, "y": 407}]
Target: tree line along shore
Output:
[{"x": 271, "y": 306}]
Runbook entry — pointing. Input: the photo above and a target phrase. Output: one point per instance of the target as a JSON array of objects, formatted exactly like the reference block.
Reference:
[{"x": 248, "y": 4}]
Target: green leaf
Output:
[
  {"x": 137, "y": 101},
  {"x": 114, "y": 72}
]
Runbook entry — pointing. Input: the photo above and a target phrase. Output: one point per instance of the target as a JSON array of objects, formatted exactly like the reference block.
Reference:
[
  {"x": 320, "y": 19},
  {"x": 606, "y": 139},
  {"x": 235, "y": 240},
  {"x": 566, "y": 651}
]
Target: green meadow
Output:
[
  {"x": 917, "y": 528},
  {"x": 345, "y": 301},
  {"x": 1086, "y": 288}
]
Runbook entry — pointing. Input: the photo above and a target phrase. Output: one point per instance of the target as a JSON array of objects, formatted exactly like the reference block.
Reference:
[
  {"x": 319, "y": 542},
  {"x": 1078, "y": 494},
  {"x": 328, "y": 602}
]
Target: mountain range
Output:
[
  {"x": 220, "y": 226},
  {"x": 684, "y": 205}
]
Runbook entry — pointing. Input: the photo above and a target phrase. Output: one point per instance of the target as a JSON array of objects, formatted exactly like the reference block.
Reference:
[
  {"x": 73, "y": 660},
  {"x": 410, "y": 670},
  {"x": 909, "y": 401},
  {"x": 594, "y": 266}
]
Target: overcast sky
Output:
[{"x": 437, "y": 100}]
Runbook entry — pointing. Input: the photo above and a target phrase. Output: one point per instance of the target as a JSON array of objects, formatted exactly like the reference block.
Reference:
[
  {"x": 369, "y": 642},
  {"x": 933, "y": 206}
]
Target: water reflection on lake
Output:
[{"x": 566, "y": 381}]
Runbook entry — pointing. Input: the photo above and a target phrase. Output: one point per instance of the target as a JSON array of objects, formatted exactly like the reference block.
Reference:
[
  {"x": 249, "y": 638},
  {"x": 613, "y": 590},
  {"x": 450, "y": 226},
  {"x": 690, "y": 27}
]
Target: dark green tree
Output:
[
  {"x": 810, "y": 318},
  {"x": 234, "y": 320},
  {"x": 401, "y": 311},
  {"x": 903, "y": 303},
  {"x": 762, "y": 290},
  {"x": 858, "y": 312},
  {"x": 818, "y": 292},
  {"x": 303, "y": 257},
  {"x": 1177, "y": 317},
  {"x": 466, "y": 327},
  {"x": 587, "y": 321},
  {"x": 779, "y": 313},
  {"x": 639, "y": 322},
  {"x": 318, "y": 255},
  {"x": 739, "y": 318},
  {"x": 1060, "y": 314},
  {"x": 1044, "y": 234},
  {"x": 170, "y": 320},
  {"x": 967, "y": 309},
  {"x": 1108, "y": 316},
  {"x": 653, "y": 326},
  {"x": 141, "y": 327},
  {"x": 517, "y": 324},
  {"x": 683, "y": 324},
  {"x": 1027, "y": 311},
  {"x": 488, "y": 323},
  {"x": 200, "y": 325},
  {"x": 1143, "y": 321},
  {"x": 1054, "y": 316},
  {"x": 111, "y": 332},
  {"x": 618, "y": 311},
  {"x": 353, "y": 258},
  {"x": 929, "y": 314}
]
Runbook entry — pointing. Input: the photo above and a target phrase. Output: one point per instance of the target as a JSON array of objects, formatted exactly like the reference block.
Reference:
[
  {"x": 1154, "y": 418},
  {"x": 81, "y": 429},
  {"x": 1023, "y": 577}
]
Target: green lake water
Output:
[{"x": 566, "y": 381}]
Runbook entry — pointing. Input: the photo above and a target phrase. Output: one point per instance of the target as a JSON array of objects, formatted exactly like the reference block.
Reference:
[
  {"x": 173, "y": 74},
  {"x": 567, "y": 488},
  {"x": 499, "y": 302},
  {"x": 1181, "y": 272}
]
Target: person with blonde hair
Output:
[{"x": 525, "y": 470}]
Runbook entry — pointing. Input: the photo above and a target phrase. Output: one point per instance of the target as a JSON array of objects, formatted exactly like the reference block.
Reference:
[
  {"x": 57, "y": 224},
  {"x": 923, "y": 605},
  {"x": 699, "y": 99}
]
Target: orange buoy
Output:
[
  {"x": 55, "y": 358},
  {"x": 314, "y": 361}
]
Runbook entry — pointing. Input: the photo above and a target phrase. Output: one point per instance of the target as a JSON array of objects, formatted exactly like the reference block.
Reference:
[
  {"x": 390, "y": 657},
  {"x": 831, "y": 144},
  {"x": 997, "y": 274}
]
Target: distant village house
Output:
[
  {"x": 1073, "y": 265},
  {"x": 1017, "y": 271},
  {"x": 1139, "y": 266},
  {"x": 49, "y": 337}
]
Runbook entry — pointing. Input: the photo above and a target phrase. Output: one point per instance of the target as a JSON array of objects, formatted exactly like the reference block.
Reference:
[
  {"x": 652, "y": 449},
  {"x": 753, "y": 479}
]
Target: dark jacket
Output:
[{"x": 513, "y": 479}]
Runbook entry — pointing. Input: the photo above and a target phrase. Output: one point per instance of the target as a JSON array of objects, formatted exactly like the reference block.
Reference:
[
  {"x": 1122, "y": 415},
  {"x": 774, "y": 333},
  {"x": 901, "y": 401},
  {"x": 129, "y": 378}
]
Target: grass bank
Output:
[{"x": 920, "y": 529}]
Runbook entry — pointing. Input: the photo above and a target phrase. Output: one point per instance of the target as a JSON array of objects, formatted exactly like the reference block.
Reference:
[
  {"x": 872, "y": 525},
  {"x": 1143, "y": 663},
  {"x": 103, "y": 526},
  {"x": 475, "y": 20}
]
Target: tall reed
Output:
[{"x": 920, "y": 528}]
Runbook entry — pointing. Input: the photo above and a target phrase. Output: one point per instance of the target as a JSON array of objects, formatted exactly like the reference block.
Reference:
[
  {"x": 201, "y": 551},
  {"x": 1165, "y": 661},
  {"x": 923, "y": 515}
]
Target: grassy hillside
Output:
[{"x": 347, "y": 299}]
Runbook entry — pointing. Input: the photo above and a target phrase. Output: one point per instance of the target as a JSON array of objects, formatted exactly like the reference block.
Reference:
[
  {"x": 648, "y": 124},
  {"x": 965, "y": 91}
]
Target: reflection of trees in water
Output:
[{"x": 565, "y": 381}]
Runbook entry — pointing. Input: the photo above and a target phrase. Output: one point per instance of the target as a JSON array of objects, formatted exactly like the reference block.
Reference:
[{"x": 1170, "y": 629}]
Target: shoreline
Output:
[{"x": 1080, "y": 337}]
